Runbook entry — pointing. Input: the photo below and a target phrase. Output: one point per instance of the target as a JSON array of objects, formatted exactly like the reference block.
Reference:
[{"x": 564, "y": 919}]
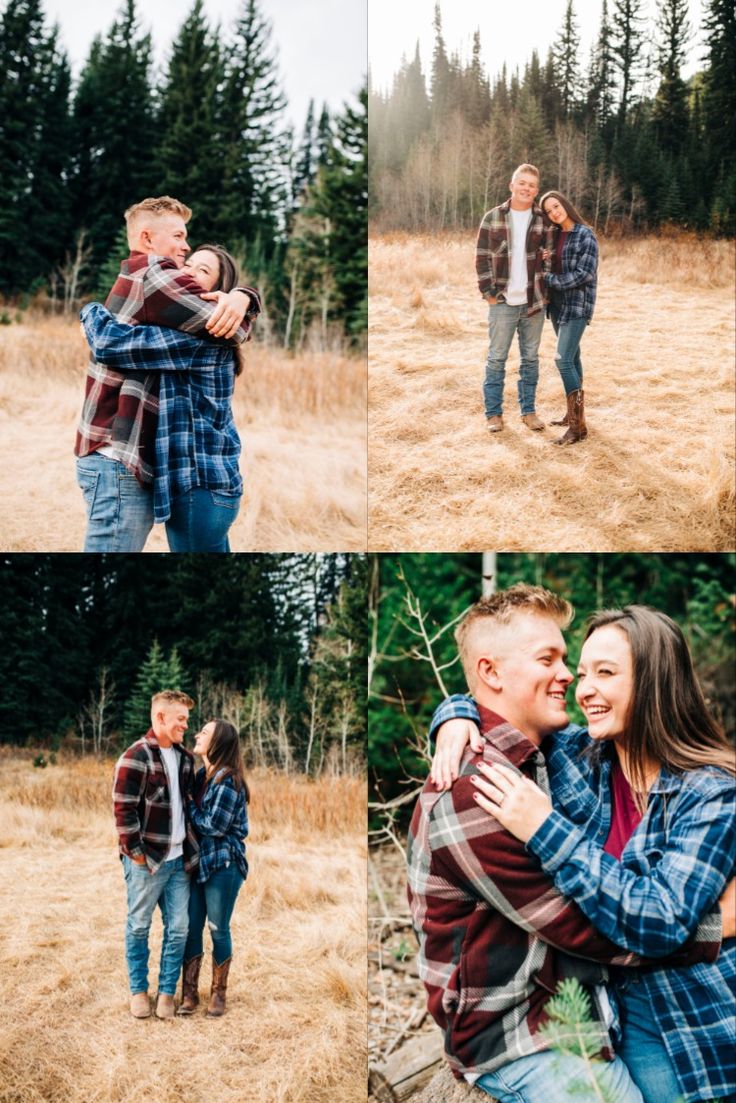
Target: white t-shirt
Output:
[
  {"x": 178, "y": 826},
  {"x": 516, "y": 289}
]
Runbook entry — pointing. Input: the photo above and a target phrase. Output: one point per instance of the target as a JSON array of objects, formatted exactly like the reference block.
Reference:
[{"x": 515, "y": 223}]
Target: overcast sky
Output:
[
  {"x": 509, "y": 31},
  {"x": 321, "y": 43}
]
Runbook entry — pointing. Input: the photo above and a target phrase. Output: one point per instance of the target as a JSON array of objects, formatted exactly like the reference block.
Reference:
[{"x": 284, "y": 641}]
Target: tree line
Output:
[
  {"x": 631, "y": 142},
  {"x": 210, "y": 130},
  {"x": 414, "y": 601},
  {"x": 276, "y": 644}
]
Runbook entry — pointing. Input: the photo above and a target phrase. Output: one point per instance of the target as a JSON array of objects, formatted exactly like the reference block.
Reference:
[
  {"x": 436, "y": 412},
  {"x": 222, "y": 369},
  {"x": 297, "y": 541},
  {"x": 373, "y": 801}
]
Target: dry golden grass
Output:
[
  {"x": 657, "y": 470},
  {"x": 301, "y": 420},
  {"x": 295, "y": 1031}
]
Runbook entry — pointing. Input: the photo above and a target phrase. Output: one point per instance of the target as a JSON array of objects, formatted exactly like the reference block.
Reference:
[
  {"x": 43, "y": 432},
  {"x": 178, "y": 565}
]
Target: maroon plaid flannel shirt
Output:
[
  {"x": 493, "y": 255},
  {"x": 495, "y": 936},
  {"x": 121, "y": 409},
  {"x": 142, "y": 803}
]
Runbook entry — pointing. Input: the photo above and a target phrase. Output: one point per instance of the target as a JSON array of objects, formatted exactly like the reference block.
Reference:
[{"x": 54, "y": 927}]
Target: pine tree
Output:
[
  {"x": 113, "y": 113},
  {"x": 187, "y": 155},
  {"x": 304, "y": 168},
  {"x": 440, "y": 83},
  {"x": 670, "y": 113},
  {"x": 719, "y": 100},
  {"x": 158, "y": 672},
  {"x": 567, "y": 52},
  {"x": 601, "y": 90},
  {"x": 626, "y": 43}
]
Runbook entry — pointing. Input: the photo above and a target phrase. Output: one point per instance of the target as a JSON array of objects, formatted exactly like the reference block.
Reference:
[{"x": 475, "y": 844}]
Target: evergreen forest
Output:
[
  {"x": 276, "y": 644},
  {"x": 415, "y": 600},
  {"x": 209, "y": 129},
  {"x": 633, "y": 144}
]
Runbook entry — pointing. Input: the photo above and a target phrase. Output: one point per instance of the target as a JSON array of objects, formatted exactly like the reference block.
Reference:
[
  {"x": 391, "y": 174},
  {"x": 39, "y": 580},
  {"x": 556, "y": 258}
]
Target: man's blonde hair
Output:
[
  {"x": 153, "y": 207},
  {"x": 499, "y": 608},
  {"x": 531, "y": 169},
  {"x": 171, "y": 697}
]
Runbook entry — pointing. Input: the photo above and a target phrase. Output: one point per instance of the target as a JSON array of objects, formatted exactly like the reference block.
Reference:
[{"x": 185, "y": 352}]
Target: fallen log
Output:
[{"x": 418, "y": 1072}]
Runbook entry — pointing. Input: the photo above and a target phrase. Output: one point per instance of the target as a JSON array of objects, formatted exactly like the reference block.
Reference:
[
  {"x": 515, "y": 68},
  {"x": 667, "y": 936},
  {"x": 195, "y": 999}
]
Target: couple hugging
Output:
[
  {"x": 181, "y": 841},
  {"x": 529, "y": 258},
  {"x": 542, "y": 851},
  {"x": 157, "y": 441}
]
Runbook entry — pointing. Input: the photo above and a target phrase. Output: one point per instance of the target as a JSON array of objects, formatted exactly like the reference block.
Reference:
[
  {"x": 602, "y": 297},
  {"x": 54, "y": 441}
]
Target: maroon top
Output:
[
  {"x": 557, "y": 262},
  {"x": 625, "y": 816}
]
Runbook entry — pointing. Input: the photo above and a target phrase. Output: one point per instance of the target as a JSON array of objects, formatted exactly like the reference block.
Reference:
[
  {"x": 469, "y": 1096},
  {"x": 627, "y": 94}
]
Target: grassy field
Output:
[
  {"x": 301, "y": 420},
  {"x": 295, "y": 1030},
  {"x": 657, "y": 470}
]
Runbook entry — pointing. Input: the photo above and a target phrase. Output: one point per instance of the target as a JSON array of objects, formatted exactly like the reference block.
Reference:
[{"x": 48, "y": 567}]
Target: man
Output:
[
  {"x": 158, "y": 847},
  {"x": 494, "y": 933},
  {"x": 116, "y": 434},
  {"x": 508, "y": 260}
]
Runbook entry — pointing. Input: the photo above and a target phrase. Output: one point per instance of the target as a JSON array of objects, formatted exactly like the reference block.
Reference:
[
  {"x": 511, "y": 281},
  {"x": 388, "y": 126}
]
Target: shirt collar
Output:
[{"x": 505, "y": 738}]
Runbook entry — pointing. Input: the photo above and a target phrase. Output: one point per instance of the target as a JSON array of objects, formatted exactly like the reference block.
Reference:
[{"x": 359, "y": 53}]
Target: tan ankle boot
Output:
[
  {"x": 190, "y": 986},
  {"x": 219, "y": 989},
  {"x": 140, "y": 1005},
  {"x": 164, "y": 1006}
]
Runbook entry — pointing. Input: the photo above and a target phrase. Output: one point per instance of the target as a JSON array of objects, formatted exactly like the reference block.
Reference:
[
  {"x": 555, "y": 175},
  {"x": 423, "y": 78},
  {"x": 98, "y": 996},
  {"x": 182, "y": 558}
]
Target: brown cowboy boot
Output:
[
  {"x": 219, "y": 988},
  {"x": 189, "y": 986},
  {"x": 561, "y": 420},
  {"x": 577, "y": 429}
]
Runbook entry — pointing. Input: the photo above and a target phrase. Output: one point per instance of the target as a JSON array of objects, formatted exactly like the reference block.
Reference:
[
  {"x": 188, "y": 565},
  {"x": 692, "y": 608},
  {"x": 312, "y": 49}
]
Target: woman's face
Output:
[
  {"x": 605, "y": 685},
  {"x": 203, "y": 738},
  {"x": 204, "y": 266},
  {"x": 552, "y": 208}
]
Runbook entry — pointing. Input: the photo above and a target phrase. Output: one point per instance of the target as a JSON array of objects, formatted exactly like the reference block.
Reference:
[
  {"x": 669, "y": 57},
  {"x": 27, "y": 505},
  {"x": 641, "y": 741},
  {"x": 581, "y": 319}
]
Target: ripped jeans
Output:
[{"x": 213, "y": 900}]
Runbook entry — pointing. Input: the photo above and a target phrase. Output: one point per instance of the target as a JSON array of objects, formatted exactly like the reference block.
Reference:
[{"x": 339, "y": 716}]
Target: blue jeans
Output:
[
  {"x": 548, "y": 1077},
  {"x": 567, "y": 356},
  {"x": 169, "y": 888},
  {"x": 200, "y": 520},
  {"x": 213, "y": 900},
  {"x": 119, "y": 509},
  {"x": 503, "y": 322},
  {"x": 643, "y": 1048}
]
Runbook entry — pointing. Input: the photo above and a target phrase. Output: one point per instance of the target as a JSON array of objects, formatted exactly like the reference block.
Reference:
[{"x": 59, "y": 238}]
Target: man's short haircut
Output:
[
  {"x": 531, "y": 169},
  {"x": 154, "y": 206},
  {"x": 171, "y": 697},
  {"x": 499, "y": 608}
]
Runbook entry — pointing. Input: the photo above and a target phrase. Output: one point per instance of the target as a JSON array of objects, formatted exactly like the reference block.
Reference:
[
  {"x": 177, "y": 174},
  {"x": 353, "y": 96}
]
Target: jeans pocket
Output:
[
  {"x": 88, "y": 482},
  {"x": 222, "y": 500}
]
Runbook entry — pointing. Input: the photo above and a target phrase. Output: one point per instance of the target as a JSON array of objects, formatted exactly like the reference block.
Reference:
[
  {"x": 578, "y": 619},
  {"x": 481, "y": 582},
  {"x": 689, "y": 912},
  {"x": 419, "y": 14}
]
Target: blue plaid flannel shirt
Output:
[
  {"x": 221, "y": 822},
  {"x": 573, "y": 291},
  {"x": 671, "y": 874},
  {"x": 197, "y": 443}
]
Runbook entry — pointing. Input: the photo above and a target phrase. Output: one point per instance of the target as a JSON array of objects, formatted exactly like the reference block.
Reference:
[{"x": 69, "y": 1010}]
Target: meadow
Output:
[
  {"x": 301, "y": 420},
  {"x": 295, "y": 1029},
  {"x": 657, "y": 470}
]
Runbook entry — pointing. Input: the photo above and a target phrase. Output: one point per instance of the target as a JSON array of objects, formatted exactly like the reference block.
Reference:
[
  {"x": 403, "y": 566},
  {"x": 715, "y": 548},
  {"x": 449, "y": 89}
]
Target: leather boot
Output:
[
  {"x": 189, "y": 986},
  {"x": 561, "y": 420},
  {"x": 577, "y": 429},
  {"x": 219, "y": 988}
]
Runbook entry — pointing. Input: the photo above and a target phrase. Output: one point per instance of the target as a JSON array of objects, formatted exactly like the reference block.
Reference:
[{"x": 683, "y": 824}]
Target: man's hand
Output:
[
  {"x": 517, "y": 803},
  {"x": 452, "y": 738},
  {"x": 491, "y": 299},
  {"x": 727, "y": 904},
  {"x": 139, "y": 861},
  {"x": 228, "y": 314}
]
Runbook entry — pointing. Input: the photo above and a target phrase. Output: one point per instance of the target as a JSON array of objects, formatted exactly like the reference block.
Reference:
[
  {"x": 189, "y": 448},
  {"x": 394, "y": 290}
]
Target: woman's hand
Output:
[
  {"x": 516, "y": 802},
  {"x": 727, "y": 905},
  {"x": 452, "y": 739},
  {"x": 546, "y": 255}
]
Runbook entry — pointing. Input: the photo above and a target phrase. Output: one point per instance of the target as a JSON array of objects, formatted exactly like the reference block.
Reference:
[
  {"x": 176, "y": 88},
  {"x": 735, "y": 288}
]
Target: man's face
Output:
[
  {"x": 172, "y": 719},
  {"x": 166, "y": 236},
  {"x": 524, "y": 189},
  {"x": 532, "y": 678}
]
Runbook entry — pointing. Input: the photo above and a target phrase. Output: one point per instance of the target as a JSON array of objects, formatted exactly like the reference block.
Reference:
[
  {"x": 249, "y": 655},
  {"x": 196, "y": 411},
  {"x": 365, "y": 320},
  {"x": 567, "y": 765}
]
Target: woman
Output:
[
  {"x": 219, "y": 813},
  {"x": 572, "y": 285},
  {"x": 660, "y": 791},
  {"x": 197, "y": 483}
]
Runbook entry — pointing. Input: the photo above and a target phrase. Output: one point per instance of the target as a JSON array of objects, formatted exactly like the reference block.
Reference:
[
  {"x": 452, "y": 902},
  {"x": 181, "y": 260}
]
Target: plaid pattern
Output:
[
  {"x": 220, "y": 817},
  {"x": 197, "y": 443},
  {"x": 671, "y": 872},
  {"x": 490, "y": 924},
  {"x": 493, "y": 255},
  {"x": 120, "y": 409},
  {"x": 573, "y": 291},
  {"x": 142, "y": 803}
]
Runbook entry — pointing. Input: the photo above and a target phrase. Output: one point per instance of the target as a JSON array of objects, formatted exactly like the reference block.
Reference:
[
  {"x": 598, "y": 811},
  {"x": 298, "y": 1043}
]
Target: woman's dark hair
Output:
[
  {"x": 228, "y": 278},
  {"x": 571, "y": 211},
  {"x": 668, "y": 720},
  {"x": 225, "y": 757}
]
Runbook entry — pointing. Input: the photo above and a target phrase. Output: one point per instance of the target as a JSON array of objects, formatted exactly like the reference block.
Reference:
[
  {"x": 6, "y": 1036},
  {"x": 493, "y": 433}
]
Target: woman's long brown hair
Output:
[
  {"x": 228, "y": 278},
  {"x": 668, "y": 720},
  {"x": 570, "y": 211},
  {"x": 225, "y": 757}
]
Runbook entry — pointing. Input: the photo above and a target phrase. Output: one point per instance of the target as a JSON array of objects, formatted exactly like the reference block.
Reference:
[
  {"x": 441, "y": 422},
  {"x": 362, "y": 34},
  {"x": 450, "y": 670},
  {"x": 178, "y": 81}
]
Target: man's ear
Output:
[{"x": 488, "y": 672}]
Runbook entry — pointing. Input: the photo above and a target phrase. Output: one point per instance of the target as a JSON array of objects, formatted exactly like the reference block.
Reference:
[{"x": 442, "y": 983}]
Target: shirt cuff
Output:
[
  {"x": 458, "y": 707},
  {"x": 555, "y": 841}
]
